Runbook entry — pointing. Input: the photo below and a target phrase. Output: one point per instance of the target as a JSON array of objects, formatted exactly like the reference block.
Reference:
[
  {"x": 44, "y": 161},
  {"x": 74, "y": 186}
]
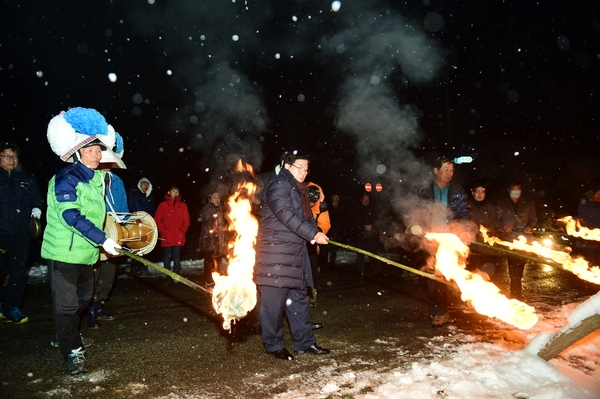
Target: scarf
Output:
[{"x": 306, "y": 209}]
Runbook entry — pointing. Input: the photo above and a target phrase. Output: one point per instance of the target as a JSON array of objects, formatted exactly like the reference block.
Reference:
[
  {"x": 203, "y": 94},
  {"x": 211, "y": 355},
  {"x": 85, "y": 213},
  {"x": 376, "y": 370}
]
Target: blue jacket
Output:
[
  {"x": 281, "y": 254},
  {"x": 76, "y": 213},
  {"x": 116, "y": 194},
  {"x": 19, "y": 194},
  {"x": 457, "y": 202}
]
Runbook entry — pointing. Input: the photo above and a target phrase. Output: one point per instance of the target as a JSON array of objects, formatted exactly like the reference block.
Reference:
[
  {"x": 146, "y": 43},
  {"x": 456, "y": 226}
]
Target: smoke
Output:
[
  {"x": 384, "y": 54},
  {"x": 221, "y": 47},
  {"x": 221, "y": 110}
]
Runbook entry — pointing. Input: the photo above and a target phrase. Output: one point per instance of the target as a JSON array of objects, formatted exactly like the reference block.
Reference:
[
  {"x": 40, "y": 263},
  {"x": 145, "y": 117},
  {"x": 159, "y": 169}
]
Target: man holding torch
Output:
[{"x": 440, "y": 204}]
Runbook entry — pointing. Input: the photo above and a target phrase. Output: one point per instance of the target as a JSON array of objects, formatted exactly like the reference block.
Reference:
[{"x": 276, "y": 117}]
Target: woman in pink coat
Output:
[{"x": 173, "y": 220}]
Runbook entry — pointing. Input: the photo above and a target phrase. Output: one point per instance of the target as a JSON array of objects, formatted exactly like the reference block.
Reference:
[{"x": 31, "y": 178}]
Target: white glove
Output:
[
  {"x": 110, "y": 245},
  {"x": 417, "y": 230},
  {"x": 36, "y": 213}
]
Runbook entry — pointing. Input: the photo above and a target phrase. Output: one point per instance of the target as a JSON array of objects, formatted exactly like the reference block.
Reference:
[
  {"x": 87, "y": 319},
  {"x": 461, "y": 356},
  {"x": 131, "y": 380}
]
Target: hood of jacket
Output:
[{"x": 139, "y": 186}]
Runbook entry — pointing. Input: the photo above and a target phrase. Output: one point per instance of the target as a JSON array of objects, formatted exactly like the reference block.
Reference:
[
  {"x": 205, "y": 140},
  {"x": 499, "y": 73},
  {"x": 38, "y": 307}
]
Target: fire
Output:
[
  {"x": 578, "y": 265},
  {"x": 575, "y": 229},
  {"x": 483, "y": 295},
  {"x": 234, "y": 294}
]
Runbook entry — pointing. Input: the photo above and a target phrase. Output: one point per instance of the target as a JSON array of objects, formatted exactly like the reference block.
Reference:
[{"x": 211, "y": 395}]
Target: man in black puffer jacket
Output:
[{"x": 282, "y": 270}]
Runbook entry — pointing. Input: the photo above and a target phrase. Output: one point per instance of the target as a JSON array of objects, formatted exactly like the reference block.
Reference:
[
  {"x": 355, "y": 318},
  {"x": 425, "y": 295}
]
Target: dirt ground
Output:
[{"x": 167, "y": 342}]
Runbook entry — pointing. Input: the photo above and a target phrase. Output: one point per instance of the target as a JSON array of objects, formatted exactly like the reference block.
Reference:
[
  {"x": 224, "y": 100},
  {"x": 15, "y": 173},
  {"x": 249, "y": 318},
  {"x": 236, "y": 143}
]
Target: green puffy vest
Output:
[{"x": 64, "y": 243}]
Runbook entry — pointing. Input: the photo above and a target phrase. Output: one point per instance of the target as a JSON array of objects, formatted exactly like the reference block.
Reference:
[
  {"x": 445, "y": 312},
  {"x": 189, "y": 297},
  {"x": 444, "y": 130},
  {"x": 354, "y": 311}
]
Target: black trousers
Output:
[
  {"x": 274, "y": 302},
  {"x": 104, "y": 279},
  {"x": 16, "y": 247},
  {"x": 72, "y": 288}
]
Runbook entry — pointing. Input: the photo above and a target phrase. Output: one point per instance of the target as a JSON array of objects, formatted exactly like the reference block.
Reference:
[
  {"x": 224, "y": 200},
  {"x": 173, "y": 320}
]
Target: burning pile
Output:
[
  {"x": 483, "y": 295},
  {"x": 578, "y": 266},
  {"x": 234, "y": 294}
]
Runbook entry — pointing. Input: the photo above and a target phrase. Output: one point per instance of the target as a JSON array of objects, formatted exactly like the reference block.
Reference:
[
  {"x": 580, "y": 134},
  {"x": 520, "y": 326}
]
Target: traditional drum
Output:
[{"x": 136, "y": 231}]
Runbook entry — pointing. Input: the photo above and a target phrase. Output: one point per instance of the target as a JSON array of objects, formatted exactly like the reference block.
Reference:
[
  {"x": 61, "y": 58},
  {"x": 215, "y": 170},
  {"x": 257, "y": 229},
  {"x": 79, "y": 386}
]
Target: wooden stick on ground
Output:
[{"x": 568, "y": 335}]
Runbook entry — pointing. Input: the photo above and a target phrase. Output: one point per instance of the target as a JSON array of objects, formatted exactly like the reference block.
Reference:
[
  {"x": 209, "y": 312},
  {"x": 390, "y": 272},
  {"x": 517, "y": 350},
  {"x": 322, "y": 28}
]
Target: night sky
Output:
[{"x": 373, "y": 91}]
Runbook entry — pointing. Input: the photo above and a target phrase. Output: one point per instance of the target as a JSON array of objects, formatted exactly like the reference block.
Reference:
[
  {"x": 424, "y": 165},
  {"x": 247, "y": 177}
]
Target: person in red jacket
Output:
[{"x": 172, "y": 219}]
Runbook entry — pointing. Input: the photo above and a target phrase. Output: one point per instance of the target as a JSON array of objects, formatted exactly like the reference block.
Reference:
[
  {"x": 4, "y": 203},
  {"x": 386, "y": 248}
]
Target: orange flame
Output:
[
  {"x": 575, "y": 229},
  {"x": 578, "y": 265},
  {"x": 483, "y": 295},
  {"x": 234, "y": 294}
]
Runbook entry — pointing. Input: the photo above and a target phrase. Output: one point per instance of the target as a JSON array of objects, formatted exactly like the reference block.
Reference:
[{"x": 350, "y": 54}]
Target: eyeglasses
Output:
[
  {"x": 307, "y": 171},
  {"x": 13, "y": 157}
]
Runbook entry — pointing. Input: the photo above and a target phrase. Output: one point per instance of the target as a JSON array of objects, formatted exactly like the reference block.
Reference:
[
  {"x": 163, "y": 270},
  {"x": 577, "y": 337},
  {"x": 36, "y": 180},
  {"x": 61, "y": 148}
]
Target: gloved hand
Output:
[
  {"x": 36, "y": 213},
  {"x": 417, "y": 230},
  {"x": 109, "y": 246}
]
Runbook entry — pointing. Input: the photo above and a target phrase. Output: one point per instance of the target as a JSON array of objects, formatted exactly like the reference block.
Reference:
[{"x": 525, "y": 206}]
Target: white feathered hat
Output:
[{"x": 80, "y": 127}]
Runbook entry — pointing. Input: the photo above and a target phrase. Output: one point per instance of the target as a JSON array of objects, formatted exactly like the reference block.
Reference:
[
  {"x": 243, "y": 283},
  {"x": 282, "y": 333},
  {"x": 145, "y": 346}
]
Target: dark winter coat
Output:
[
  {"x": 365, "y": 215},
  {"x": 457, "y": 203},
  {"x": 137, "y": 200},
  {"x": 173, "y": 220},
  {"x": 484, "y": 213},
  {"x": 19, "y": 194},
  {"x": 213, "y": 237},
  {"x": 281, "y": 254},
  {"x": 524, "y": 216}
]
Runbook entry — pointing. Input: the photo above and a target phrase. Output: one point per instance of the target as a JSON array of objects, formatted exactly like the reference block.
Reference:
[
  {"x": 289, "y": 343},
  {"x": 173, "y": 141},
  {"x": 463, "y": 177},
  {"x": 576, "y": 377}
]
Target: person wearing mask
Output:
[
  {"x": 173, "y": 220},
  {"x": 20, "y": 200},
  {"x": 282, "y": 270},
  {"x": 76, "y": 213},
  {"x": 516, "y": 217}
]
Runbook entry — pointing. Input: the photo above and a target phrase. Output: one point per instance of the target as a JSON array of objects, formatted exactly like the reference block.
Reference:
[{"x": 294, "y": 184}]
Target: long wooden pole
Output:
[
  {"x": 390, "y": 262},
  {"x": 519, "y": 254},
  {"x": 166, "y": 271}
]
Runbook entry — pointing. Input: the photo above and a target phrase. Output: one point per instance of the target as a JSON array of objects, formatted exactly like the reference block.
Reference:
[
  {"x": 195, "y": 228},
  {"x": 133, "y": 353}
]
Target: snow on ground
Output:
[{"x": 462, "y": 367}]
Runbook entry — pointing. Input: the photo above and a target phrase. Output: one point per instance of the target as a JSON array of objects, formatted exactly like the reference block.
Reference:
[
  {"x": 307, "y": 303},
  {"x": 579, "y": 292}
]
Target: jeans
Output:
[{"x": 172, "y": 253}]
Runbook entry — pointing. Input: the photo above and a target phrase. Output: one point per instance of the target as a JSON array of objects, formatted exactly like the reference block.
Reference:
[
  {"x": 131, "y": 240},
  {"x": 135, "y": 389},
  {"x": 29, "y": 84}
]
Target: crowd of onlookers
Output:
[{"x": 296, "y": 217}]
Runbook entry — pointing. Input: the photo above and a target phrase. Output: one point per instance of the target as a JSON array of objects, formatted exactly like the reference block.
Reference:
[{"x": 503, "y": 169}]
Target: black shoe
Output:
[
  {"x": 282, "y": 354},
  {"x": 76, "y": 361},
  {"x": 314, "y": 349},
  {"x": 316, "y": 326},
  {"x": 101, "y": 313},
  {"x": 92, "y": 319}
]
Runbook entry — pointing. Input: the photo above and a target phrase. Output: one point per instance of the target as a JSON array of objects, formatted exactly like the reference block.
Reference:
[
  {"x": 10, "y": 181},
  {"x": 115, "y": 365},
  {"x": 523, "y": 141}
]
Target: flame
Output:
[
  {"x": 578, "y": 265},
  {"x": 483, "y": 295},
  {"x": 234, "y": 294},
  {"x": 575, "y": 229}
]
